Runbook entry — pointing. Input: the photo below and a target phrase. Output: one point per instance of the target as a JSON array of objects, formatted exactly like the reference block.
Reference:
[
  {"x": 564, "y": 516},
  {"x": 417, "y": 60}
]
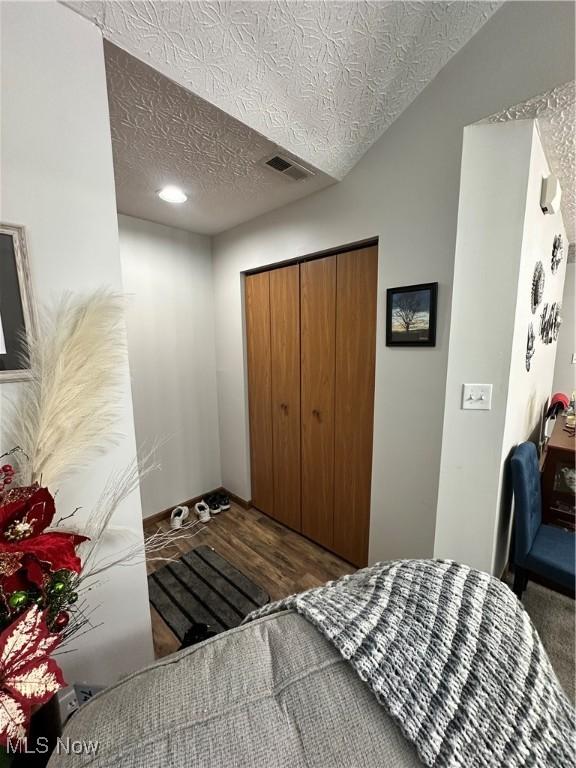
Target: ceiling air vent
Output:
[{"x": 288, "y": 168}]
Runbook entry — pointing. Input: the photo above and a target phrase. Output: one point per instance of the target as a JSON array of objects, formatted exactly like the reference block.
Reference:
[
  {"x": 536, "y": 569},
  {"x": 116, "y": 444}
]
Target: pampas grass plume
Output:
[{"x": 67, "y": 411}]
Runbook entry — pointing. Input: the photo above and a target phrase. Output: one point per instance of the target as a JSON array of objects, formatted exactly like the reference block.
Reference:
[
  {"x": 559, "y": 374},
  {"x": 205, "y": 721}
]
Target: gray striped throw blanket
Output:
[{"x": 452, "y": 656}]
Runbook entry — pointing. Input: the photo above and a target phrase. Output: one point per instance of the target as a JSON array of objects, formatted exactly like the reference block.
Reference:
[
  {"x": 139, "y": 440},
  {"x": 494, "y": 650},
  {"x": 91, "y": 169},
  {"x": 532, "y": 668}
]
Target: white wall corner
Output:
[
  {"x": 528, "y": 391},
  {"x": 494, "y": 179},
  {"x": 168, "y": 276}
]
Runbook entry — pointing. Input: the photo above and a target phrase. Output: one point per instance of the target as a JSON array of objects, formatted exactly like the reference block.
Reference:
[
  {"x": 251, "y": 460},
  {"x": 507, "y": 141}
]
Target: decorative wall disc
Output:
[
  {"x": 557, "y": 253},
  {"x": 537, "y": 285},
  {"x": 557, "y": 321},
  {"x": 550, "y": 322},
  {"x": 545, "y": 324},
  {"x": 529, "y": 346}
]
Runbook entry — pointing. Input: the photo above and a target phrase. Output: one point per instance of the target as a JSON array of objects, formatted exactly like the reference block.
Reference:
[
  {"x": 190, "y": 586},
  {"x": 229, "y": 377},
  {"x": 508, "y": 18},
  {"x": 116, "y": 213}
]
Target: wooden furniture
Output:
[
  {"x": 311, "y": 337},
  {"x": 558, "y": 478}
]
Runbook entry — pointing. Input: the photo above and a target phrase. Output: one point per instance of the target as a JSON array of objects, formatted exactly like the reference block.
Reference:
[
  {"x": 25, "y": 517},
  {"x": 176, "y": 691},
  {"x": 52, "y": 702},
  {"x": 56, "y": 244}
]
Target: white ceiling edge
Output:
[
  {"x": 163, "y": 134},
  {"x": 323, "y": 79},
  {"x": 555, "y": 114}
]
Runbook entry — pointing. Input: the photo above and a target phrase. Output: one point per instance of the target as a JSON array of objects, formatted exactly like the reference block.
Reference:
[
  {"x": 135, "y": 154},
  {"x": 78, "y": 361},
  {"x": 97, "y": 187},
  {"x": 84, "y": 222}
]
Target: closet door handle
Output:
[
  {"x": 316, "y": 413},
  {"x": 284, "y": 407}
]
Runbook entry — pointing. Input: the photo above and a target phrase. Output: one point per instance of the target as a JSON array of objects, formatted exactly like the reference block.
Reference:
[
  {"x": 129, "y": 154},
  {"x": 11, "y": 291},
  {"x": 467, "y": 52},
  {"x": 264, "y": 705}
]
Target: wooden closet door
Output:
[
  {"x": 318, "y": 308},
  {"x": 257, "y": 300},
  {"x": 285, "y": 344},
  {"x": 354, "y": 401}
]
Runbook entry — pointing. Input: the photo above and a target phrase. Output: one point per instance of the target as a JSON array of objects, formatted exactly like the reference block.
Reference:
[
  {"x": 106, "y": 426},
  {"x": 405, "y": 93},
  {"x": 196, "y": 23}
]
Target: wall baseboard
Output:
[
  {"x": 238, "y": 500},
  {"x": 157, "y": 517}
]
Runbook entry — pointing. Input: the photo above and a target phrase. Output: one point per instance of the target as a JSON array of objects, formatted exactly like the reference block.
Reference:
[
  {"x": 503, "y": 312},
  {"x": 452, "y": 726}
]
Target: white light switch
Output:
[{"x": 477, "y": 397}]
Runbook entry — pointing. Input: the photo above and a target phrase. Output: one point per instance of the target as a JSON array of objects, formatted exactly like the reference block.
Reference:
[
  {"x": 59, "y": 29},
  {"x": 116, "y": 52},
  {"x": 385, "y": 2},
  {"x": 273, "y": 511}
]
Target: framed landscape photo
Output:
[
  {"x": 16, "y": 309},
  {"x": 411, "y": 315}
]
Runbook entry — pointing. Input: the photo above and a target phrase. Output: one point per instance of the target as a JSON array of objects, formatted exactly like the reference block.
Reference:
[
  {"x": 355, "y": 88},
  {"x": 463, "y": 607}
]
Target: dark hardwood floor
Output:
[{"x": 278, "y": 559}]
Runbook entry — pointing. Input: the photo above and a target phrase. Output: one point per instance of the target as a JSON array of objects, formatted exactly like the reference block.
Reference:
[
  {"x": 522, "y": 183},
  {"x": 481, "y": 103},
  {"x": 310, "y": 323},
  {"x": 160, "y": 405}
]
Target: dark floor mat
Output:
[{"x": 202, "y": 587}]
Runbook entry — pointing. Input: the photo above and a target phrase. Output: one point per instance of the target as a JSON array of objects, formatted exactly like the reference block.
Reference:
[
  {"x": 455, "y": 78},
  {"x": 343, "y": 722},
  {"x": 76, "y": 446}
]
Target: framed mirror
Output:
[{"x": 16, "y": 308}]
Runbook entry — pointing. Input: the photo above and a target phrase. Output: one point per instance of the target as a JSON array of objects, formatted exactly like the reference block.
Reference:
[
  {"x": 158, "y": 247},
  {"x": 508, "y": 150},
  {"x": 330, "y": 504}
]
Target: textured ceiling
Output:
[
  {"x": 322, "y": 79},
  {"x": 162, "y": 134},
  {"x": 555, "y": 112}
]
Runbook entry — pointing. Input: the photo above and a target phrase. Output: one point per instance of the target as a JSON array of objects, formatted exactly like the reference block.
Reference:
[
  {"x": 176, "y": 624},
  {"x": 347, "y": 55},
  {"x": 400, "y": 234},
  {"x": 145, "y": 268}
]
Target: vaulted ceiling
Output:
[
  {"x": 163, "y": 134},
  {"x": 320, "y": 80}
]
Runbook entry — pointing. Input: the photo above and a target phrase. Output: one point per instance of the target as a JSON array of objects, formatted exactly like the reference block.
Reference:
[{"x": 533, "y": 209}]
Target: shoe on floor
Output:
[
  {"x": 179, "y": 514},
  {"x": 197, "y": 633},
  {"x": 213, "y": 504},
  {"x": 203, "y": 511},
  {"x": 224, "y": 501}
]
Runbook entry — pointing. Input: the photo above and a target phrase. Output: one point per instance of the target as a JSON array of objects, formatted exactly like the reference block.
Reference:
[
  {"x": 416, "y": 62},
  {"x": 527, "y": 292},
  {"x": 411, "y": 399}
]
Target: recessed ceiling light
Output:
[{"x": 172, "y": 194}]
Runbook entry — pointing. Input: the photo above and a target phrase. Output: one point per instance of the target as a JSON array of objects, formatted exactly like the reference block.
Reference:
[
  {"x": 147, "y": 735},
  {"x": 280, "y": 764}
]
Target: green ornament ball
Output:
[
  {"x": 18, "y": 599},
  {"x": 73, "y": 597},
  {"x": 57, "y": 588}
]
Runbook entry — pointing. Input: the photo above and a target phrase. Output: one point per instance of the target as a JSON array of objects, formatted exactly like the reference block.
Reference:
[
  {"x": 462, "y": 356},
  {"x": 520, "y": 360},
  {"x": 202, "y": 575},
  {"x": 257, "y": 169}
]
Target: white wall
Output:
[
  {"x": 495, "y": 166},
  {"x": 405, "y": 191},
  {"x": 529, "y": 391},
  {"x": 565, "y": 370},
  {"x": 167, "y": 275},
  {"x": 502, "y": 233},
  {"x": 57, "y": 180}
]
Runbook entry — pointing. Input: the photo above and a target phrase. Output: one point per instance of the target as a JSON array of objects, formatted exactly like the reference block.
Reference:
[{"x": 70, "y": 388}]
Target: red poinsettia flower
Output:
[
  {"x": 25, "y": 512},
  {"x": 27, "y": 552},
  {"x": 28, "y": 677}
]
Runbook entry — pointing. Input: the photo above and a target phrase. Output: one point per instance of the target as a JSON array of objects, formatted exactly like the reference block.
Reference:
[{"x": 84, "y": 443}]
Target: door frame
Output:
[{"x": 355, "y": 246}]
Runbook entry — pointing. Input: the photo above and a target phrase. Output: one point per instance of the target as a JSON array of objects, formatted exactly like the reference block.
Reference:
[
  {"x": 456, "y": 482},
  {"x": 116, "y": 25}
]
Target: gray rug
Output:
[
  {"x": 553, "y": 616},
  {"x": 203, "y": 587}
]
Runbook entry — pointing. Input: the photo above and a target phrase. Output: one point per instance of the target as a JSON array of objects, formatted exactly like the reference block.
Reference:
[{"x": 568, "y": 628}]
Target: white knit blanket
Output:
[{"x": 453, "y": 657}]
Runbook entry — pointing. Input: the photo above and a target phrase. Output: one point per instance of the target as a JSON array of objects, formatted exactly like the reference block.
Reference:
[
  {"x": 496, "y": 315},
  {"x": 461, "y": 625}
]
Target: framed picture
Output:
[
  {"x": 16, "y": 308},
  {"x": 411, "y": 315},
  {"x": 565, "y": 479}
]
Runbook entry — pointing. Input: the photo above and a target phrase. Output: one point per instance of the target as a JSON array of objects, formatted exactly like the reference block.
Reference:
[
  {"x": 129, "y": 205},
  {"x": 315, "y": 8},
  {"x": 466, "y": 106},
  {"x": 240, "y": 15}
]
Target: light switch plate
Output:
[{"x": 476, "y": 397}]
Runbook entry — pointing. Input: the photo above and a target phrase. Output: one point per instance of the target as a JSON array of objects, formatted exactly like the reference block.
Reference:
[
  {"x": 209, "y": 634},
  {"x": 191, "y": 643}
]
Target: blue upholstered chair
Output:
[{"x": 545, "y": 550}]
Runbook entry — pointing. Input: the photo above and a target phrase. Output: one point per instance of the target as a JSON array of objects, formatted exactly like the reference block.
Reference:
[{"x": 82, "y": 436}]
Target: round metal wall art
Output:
[
  {"x": 557, "y": 253},
  {"x": 537, "y": 285},
  {"x": 550, "y": 322},
  {"x": 557, "y": 322},
  {"x": 529, "y": 346}
]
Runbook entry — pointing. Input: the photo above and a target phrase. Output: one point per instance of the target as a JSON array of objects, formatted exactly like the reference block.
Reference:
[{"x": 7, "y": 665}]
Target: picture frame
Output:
[
  {"x": 17, "y": 315},
  {"x": 411, "y": 312}
]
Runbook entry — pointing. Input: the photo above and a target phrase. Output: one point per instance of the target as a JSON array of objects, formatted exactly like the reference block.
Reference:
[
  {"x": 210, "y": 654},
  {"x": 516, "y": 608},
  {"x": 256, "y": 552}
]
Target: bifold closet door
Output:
[
  {"x": 257, "y": 300},
  {"x": 318, "y": 338},
  {"x": 354, "y": 401},
  {"x": 285, "y": 351}
]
